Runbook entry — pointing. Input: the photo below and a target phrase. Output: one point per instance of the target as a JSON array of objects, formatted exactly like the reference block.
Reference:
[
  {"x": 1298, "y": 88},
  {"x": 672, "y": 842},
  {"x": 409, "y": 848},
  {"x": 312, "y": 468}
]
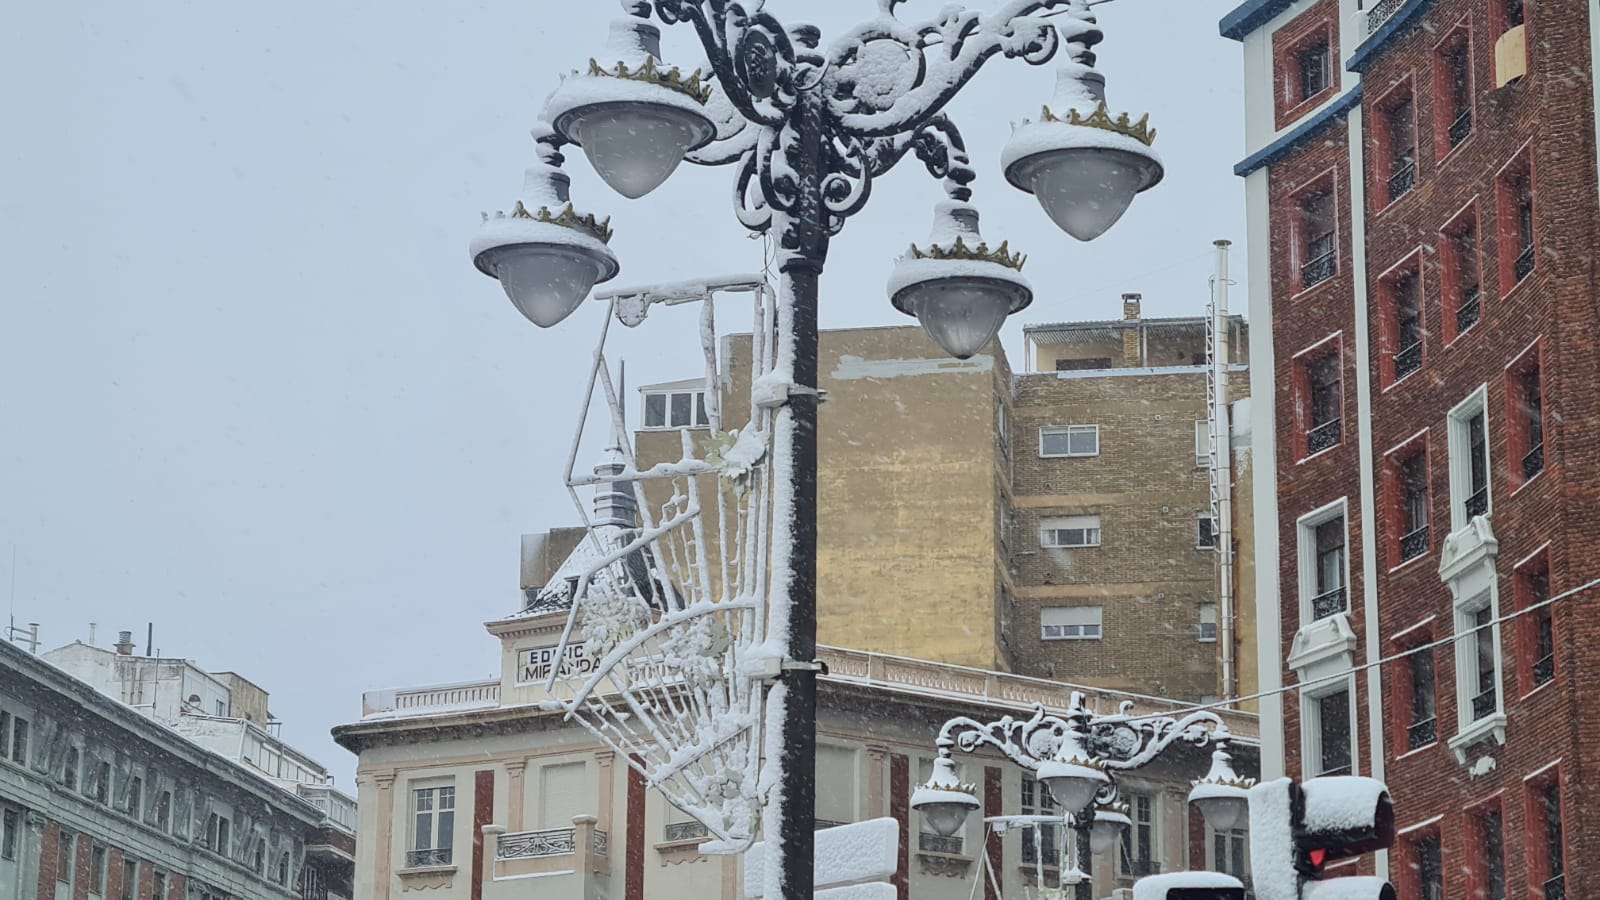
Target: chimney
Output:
[
  {"x": 1130, "y": 335},
  {"x": 124, "y": 643}
]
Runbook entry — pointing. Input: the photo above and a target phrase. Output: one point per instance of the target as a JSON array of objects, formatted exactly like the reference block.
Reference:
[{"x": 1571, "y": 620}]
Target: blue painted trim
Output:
[
  {"x": 1304, "y": 132},
  {"x": 1386, "y": 33},
  {"x": 1249, "y": 16}
]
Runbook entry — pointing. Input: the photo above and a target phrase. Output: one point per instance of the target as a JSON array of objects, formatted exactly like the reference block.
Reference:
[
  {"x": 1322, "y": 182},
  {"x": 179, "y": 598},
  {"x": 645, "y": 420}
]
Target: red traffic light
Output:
[{"x": 1317, "y": 857}]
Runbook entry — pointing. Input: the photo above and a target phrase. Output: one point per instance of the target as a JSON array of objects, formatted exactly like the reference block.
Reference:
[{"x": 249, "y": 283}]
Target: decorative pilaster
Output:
[
  {"x": 877, "y": 760},
  {"x": 515, "y": 794},
  {"x": 383, "y": 857}
]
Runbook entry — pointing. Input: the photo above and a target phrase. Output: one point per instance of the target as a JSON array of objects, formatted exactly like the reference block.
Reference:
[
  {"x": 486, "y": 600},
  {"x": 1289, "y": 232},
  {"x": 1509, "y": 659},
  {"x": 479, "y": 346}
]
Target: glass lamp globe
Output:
[
  {"x": 1072, "y": 784},
  {"x": 1222, "y": 797},
  {"x": 944, "y": 801},
  {"x": 545, "y": 282},
  {"x": 1223, "y": 813},
  {"x": 962, "y": 315},
  {"x": 1107, "y": 828},
  {"x": 634, "y": 147},
  {"x": 959, "y": 288},
  {"x": 1086, "y": 190}
]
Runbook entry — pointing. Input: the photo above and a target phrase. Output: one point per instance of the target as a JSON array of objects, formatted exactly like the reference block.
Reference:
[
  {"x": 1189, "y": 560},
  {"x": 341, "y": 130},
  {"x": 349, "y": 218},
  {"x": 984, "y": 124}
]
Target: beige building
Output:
[{"x": 472, "y": 791}]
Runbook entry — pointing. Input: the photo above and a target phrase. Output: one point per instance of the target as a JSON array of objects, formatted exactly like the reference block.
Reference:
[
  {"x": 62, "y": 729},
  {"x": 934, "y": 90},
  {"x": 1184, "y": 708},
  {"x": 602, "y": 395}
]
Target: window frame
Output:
[
  {"x": 1456, "y": 44},
  {"x": 1458, "y": 427},
  {"x": 1128, "y": 865},
  {"x": 10, "y": 832},
  {"x": 1291, "y": 48},
  {"x": 66, "y": 858},
  {"x": 1035, "y": 799},
  {"x": 1546, "y": 858},
  {"x": 1518, "y": 169},
  {"x": 697, "y": 409},
  {"x": 1308, "y": 557},
  {"x": 1082, "y": 634},
  {"x": 1202, "y": 443},
  {"x": 1408, "y": 271},
  {"x": 1200, "y": 628},
  {"x": 1479, "y": 869},
  {"x": 1468, "y": 646},
  {"x": 1411, "y": 876},
  {"x": 1069, "y": 432},
  {"x": 1311, "y": 737},
  {"x": 1205, "y": 531},
  {"x": 1525, "y": 576},
  {"x": 1387, "y": 168},
  {"x": 1454, "y": 304},
  {"x": 1095, "y": 529},
  {"x": 1398, "y": 498},
  {"x": 439, "y": 837},
  {"x": 1409, "y": 735},
  {"x": 1519, "y": 433},
  {"x": 1306, "y": 384},
  {"x": 1302, "y": 241}
]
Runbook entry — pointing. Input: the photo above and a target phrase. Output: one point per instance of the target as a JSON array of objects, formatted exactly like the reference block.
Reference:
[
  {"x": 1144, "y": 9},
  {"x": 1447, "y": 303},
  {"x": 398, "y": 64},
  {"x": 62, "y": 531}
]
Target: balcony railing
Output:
[
  {"x": 600, "y": 842},
  {"x": 534, "y": 844},
  {"x": 1414, "y": 543},
  {"x": 1461, "y": 127},
  {"x": 1423, "y": 733},
  {"x": 1524, "y": 264},
  {"x": 1327, "y": 603},
  {"x": 1403, "y": 179},
  {"x": 687, "y": 831},
  {"x": 440, "y": 856},
  {"x": 1408, "y": 359},
  {"x": 1380, "y": 13},
  {"x": 1544, "y": 669},
  {"x": 1478, "y": 502},
  {"x": 1467, "y": 312},
  {"x": 1533, "y": 461},
  {"x": 1556, "y": 888},
  {"x": 1318, "y": 269},
  {"x": 937, "y": 843},
  {"x": 1322, "y": 437},
  {"x": 828, "y": 823},
  {"x": 1483, "y": 704}
]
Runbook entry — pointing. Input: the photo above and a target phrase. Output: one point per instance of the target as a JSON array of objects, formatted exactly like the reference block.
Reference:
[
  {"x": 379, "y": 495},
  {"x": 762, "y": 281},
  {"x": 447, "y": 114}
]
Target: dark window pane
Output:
[
  {"x": 1333, "y": 717},
  {"x": 1493, "y": 848},
  {"x": 700, "y": 417},
  {"x": 655, "y": 410},
  {"x": 680, "y": 410},
  {"x": 1430, "y": 868},
  {"x": 1550, "y": 799}
]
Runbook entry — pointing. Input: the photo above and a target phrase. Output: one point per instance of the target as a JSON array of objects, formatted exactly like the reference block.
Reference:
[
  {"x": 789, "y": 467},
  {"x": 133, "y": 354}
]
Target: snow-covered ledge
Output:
[
  {"x": 1466, "y": 562},
  {"x": 1467, "y": 565},
  {"x": 1323, "y": 649}
]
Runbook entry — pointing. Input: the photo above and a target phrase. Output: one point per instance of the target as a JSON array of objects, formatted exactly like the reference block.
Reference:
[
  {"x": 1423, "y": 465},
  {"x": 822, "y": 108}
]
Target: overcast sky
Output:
[{"x": 251, "y": 388}]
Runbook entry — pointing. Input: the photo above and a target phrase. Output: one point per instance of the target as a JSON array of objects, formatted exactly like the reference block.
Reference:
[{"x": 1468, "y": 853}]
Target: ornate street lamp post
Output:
[
  {"x": 807, "y": 131},
  {"x": 1074, "y": 757}
]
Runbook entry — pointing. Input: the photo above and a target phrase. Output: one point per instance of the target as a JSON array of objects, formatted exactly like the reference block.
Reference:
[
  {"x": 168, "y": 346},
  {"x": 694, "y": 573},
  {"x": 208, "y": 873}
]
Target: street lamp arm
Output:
[
  {"x": 1123, "y": 741},
  {"x": 938, "y": 145},
  {"x": 750, "y": 54},
  {"x": 1026, "y": 742}
]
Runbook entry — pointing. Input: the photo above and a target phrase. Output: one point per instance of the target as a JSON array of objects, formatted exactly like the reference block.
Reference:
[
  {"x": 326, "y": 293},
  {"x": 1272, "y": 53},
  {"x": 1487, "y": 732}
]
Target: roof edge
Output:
[{"x": 1249, "y": 16}]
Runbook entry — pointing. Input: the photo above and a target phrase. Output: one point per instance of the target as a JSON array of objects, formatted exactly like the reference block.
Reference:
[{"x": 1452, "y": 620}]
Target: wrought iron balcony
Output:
[
  {"x": 1483, "y": 704},
  {"x": 1423, "y": 733},
  {"x": 1461, "y": 127},
  {"x": 1030, "y": 849},
  {"x": 1556, "y": 888},
  {"x": 1403, "y": 179},
  {"x": 1322, "y": 437},
  {"x": 1327, "y": 603},
  {"x": 1467, "y": 312},
  {"x": 1414, "y": 543},
  {"x": 1533, "y": 461},
  {"x": 1544, "y": 669},
  {"x": 1380, "y": 13},
  {"x": 533, "y": 844},
  {"x": 440, "y": 856},
  {"x": 1407, "y": 360},
  {"x": 687, "y": 831},
  {"x": 1524, "y": 264},
  {"x": 1478, "y": 502},
  {"x": 929, "y": 842},
  {"x": 1318, "y": 269}
]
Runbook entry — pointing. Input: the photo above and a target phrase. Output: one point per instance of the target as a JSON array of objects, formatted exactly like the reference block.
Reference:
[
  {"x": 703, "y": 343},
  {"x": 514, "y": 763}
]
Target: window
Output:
[
  {"x": 1036, "y": 801},
  {"x": 1205, "y": 532},
  {"x": 1330, "y": 733},
  {"x": 1546, "y": 837},
  {"x": 164, "y": 810},
  {"x": 1525, "y": 417},
  {"x": 1002, "y": 428},
  {"x": 97, "y": 868},
  {"x": 1516, "y": 224},
  {"x": 159, "y": 879},
  {"x": 69, "y": 775},
  {"x": 675, "y": 409},
  {"x": 1323, "y": 411},
  {"x": 1538, "y": 624},
  {"x": 1069, "y": 531},
  {"x": 5, "y": 734},
  {"x": 64, "y": 841},
  {"x": 1477, "y": 662},
  {"x": 19, "y": 740},
  {"x": 1469, "y": 460},
  {"x": 1230, "y": 853},
  {"x": 1318, "y": 261},
  {"x": 1138, "y": 856},
  {"x": 9, "y": 821},
  {"x": 1453, "y": 90},
  {"x": 282, "y": 873},
  {"x": 258, "y": 862},
  {"x": 218, "y": 830},
  {"x": 1403, "y": 293},
  {"x": 135, "y": 798},
  {"x": 1511, "y": 14},
  {"x": 1491, "y": 853},
  {"x": 1311, "y": 70},
  {"x": 1427, "y": 867},
  {"x": 1323, "y": 564},
  {"x": 1202, "y": 443},
  {"x": 433, "y": 812},
  {"x": 1070, "y": 623},
  {"x": 1423, "y": 728},
  {"x": 102, "y": 782},
  {"x": 1083, "y": 364},
  {"x": 130, "y": 879},
  {"x": 1398, "y": 139},
  {"x": 1069, "y": 440},
  {"x": 1410, "y": 488},
  {"x": 1208, "y": 622},
  {"x": 1458, "y": 259}
]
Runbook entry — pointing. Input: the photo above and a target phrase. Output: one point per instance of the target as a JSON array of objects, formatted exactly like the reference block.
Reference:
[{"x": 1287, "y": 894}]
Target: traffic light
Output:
[
  {"x": 1188, "y": 886},
  {"x": 1297, "y": 830}
]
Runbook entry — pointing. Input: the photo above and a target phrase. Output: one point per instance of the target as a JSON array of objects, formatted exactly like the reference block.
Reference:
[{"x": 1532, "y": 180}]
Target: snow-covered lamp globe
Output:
[
  {"x": 958, "y": 288},
  {"x": 1109, "y": 822},
  {"x": 634, "y": 116},
  {"x": 1083, "y": 165},
  {"x": 546, "y": 255},
  {"x": 944, "y": 801},
  {"x": 1073, "y": 780},
  {"x": 1222, "y": 797}
]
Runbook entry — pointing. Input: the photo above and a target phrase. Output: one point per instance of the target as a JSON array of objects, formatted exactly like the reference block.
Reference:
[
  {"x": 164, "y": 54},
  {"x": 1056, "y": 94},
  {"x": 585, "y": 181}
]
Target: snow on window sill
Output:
[{"x": 1492, "y": 725}]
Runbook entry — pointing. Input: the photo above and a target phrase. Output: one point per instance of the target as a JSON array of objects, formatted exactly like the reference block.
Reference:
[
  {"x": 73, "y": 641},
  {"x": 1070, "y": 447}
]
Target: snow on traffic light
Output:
[{"x": 1296, "y": 830}]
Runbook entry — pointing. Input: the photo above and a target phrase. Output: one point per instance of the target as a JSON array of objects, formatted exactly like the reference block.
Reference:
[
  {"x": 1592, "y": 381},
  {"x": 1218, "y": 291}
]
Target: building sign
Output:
[{"x": 535, "y": 664}]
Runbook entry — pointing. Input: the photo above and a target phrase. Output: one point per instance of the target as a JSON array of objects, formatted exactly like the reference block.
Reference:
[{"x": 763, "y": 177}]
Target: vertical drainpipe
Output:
[{"x": 1222, "y": 460}]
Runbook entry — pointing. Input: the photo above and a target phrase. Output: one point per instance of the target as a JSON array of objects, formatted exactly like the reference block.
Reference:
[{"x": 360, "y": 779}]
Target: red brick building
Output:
[{"x": 1424, "y": 227}]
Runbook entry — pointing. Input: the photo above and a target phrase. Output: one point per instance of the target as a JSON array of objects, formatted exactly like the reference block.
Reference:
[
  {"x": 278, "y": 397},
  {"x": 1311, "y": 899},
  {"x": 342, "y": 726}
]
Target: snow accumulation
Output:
[
  {"x": 1272, "y": 869},
  {"x": 845, "y": 855},
  {"x": 1155, "y": 887},
  {"x": 1342, "y": 802}
]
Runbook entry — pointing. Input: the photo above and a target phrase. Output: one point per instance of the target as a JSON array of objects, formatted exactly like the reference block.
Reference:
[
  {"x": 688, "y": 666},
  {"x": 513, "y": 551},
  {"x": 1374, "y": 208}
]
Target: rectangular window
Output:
[
  {"x": 1230, "y": 853},
  {"x": 1205, "y": 532},
  {"x": 1453, "y": 70},
  {"x": 135, "y": 797},
  {"x": 1328, "y": 568},
  {"x": 675, "y": 409},
  {"x": 1405, "y": 308},
  {"x": 1330, "y": 732},
  {"x": 1424, "y": 726},
  {"x": 64, "y": 845},
  {"x": 1469, "y": 460},
  {"x": 9, "y": 821},
  {"x": 1046, "y": 836},
  {"x": 1525, "y": 414},
  {"x": 1491, "y": 855},
  {"x": 1208, "y": 622},
  {"x": 433, "y": 812},
  {"x": 1538, "y": 624},
  {"x": 19, "y": 740},
  {"x": 1202, "y": 443},
  {"x": 1312, "y": 64},
  {"x": 1069, "y": 440},
  {"x": 164, "y": 810},
  {"x": 159, "y": 879},
  {"x": 5, "y": 734},
  {"x": 1547, "y": 838},
  {"x": 1070, "y": 623},
  {"x": 97, "y": 869},
  {"x": 1428, "y": 867},
  {"x": 1514, "y": 189},
  {"x": 1511, "y": 14},
  {"x": 130, "y": 879},
  {"x": 1460, "y": 274},
  {"x": 1138, "y": 857},
  {"x": 1318, "y": 262},
  {"x": 1069, "y": 531},
  {"x": 1410, "y": 484},
  {"x": 1326, "y": 402},
  {"x": 1400, "y": 125},
  {"x": 102, "y": 782},
  {"x": 1480, "y": 670},
  {"x": 69, "y": 774}
]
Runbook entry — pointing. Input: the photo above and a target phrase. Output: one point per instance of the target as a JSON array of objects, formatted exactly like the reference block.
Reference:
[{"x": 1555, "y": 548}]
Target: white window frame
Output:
[
  {"x": 438, "y": 840},
  {"x": 1466, "y": 647},
  {"x": 1075, "y": 630},
  {"x": 1202, "y": 443},
  {"x": 1311, "y": 723},
  {"x": 695, "y": 406},
  {"x": 1460, "y": 446},
  {"x": 1306, "y": 552},
  {"x": 1230, "y": 864},
  {"x": 1088, "y": 524},
  {"x": 1207, "y": 610},
  {"x": 1070, "y": 432},
  {"x": 1130, "y": 835},
  {"x": 1199, "y": 543},
  {"x": 1003, "y": 428}
]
